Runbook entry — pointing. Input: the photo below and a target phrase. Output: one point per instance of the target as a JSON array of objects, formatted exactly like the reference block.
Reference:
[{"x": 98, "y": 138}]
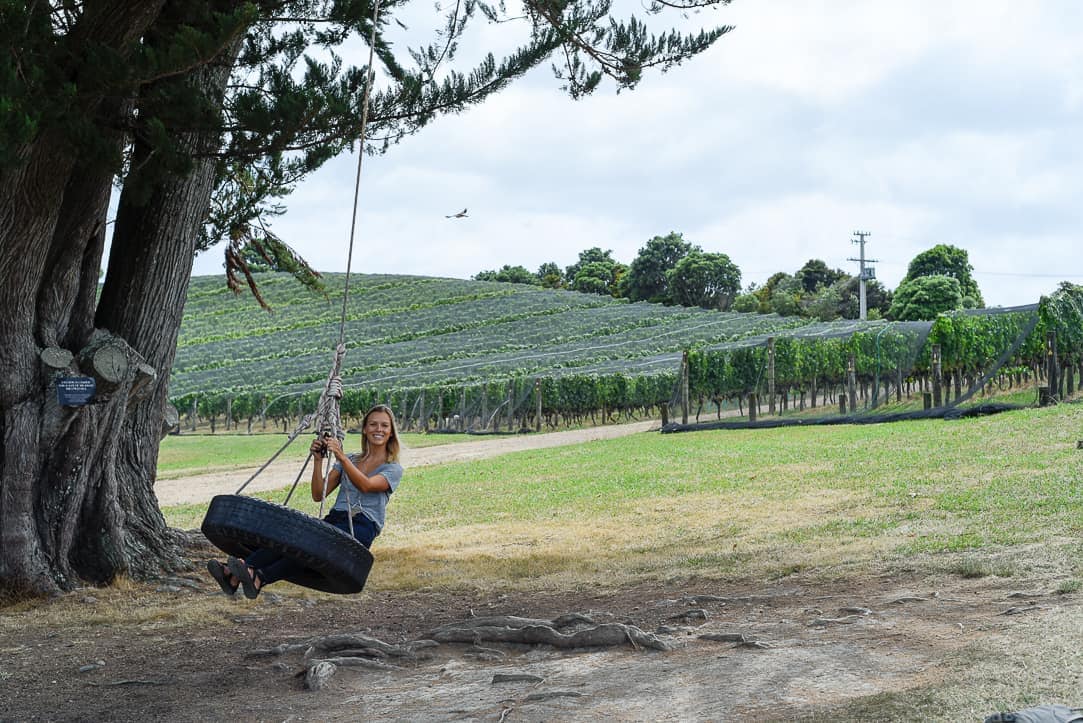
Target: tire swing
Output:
[{"x": 331, "y": 560}]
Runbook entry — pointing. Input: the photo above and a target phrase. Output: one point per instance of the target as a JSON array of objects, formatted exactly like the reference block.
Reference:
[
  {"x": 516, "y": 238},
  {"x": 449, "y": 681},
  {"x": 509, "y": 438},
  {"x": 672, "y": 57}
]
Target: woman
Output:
[{"x": 370, "y": 478}]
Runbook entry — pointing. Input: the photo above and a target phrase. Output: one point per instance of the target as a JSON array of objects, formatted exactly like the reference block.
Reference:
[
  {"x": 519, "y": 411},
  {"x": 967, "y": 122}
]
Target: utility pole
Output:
[{"x": 867, "y": 273}]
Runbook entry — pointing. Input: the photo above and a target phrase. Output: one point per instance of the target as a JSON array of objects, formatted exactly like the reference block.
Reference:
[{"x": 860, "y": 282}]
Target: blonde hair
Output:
[{"x": 392, "y": 445}]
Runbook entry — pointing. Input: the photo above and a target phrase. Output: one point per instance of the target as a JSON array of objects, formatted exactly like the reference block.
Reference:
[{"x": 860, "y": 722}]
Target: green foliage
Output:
[
  {"x": 815, "y": 275},
  {"x": 647, "y": 278},
  {"x": 946, "y": 260},
  {"x": 704, "y": 279},
  {"x": 510, "y": 275},
  {"x": 924, "y": 297},
  {"x": 598, "y": 277}
]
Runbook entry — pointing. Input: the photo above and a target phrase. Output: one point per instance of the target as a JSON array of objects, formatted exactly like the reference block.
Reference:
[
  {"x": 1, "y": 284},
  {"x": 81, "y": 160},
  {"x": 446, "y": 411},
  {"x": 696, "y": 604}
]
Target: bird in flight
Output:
[{"x": 460, "y": 214}]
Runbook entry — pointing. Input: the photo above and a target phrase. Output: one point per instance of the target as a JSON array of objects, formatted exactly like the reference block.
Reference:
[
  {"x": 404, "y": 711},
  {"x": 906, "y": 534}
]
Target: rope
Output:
[{"x": 328, "y": 410}]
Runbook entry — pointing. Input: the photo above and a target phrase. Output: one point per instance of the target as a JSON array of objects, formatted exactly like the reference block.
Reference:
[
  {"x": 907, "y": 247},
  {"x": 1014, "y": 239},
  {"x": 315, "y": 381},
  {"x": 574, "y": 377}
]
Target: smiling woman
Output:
[{"x": 262, "y": 553}]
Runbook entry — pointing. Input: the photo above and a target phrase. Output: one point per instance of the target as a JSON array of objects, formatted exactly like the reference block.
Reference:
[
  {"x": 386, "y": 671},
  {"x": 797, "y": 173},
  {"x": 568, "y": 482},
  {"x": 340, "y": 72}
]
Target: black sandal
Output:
[
  {"x": 221, "y": 575},
  {"x": 248, "y": 580}
]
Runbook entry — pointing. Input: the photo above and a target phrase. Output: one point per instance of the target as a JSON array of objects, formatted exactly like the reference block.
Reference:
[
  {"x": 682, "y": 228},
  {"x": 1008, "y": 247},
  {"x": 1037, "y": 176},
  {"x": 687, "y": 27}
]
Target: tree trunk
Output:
[{"x": 77, "y": 501}]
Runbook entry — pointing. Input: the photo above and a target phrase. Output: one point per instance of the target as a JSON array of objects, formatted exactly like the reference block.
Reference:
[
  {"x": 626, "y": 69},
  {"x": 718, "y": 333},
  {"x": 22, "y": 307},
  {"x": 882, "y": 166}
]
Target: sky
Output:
[{"x": 920, "y": 123}]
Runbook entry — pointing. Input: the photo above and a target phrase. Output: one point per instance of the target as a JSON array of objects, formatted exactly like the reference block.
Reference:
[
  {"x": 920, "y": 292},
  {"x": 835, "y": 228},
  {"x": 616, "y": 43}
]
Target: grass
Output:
[
  {"x": 187, "y": 454},
  {"x": 743, "y": 503}
]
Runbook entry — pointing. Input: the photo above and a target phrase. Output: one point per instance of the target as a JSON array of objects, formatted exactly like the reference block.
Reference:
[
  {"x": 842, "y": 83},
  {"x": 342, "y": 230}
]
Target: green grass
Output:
[
  {"x": 747, "y": 502},
  {"x": 185, "y": 455}
]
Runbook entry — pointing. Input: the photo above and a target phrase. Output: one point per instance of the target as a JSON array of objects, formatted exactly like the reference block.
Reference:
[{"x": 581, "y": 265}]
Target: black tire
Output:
[{"x": 332, "y": 560}]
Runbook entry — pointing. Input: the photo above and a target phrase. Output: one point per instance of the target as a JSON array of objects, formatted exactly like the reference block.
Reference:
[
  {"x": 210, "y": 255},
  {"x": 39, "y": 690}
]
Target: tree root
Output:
[{"x": 511, "y": 629}]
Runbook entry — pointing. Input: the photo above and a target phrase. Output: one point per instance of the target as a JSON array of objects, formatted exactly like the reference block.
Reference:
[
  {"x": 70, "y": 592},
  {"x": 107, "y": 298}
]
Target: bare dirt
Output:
[{"x": 898, "y": 645}]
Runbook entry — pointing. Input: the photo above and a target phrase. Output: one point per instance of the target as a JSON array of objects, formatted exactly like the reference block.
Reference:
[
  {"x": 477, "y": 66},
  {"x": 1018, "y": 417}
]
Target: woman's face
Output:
[{"x": 378, "y": 429}]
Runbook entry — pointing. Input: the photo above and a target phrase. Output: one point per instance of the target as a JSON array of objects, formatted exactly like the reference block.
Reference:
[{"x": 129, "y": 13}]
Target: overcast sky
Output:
[{"x": 922, "y": 122}]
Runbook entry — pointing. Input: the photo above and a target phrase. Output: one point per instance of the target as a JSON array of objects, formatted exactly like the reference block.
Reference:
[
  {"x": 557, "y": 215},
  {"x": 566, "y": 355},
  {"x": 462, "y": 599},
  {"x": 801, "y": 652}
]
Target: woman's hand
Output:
[{"x": 332, "y": 445}]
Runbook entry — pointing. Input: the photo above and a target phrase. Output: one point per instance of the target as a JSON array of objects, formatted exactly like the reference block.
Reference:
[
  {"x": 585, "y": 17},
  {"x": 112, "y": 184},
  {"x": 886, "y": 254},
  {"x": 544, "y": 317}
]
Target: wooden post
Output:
[
  {"x": 753, "y": 405},
  {"x": 511, "y": 408},
  {"x": 851, "y": 382},
  {"x": 484, "y": 407},
  {"x": 229, "y": 412},
  {"x": 665, "y": 413},
  {"x": 842, "y": 403},
  {"x": 192, "y": 415},
  {"x": 423, "y": 417},
  {"x": 1052, "y": 369},
  {"x": 537, "y": 404},
  {"x": 684, "y": 387},
  {"x": 771, "y": 375},
  {"x": 938, "y": 398},
  {"x": 927, "y": 400},
  {"x": 462, "y": 409}
]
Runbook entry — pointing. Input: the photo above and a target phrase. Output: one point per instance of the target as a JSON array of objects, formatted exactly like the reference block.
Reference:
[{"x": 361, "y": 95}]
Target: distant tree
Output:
[
  {"x": 785, "y": 299},
  {"x": 815, "y": 275},
  {"x": 595, "y": 277},
  {"x": 926, "y": 296},
  {"x": 646, "y": 279},
  {"x": 746, "y": 303},
  {"x": 509, "y": 274},
  {"x": 877, "y": 298},
  {"x": 946, "y": 260},
  {"x": 549, "y": 276},
  {"x": 703, "y": 279},
  {"x": 826, "y": 305},
  {"x": 592, "y": 255}
]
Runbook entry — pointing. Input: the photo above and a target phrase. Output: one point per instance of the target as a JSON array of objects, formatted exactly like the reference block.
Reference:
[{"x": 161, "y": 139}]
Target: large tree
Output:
[
  {"x": 205, "y": 113},
  {"x": 926, "y": 296},
  {"x": 705, "y": 279},
  {"x": 947, "y": 260},
  {"x": 646, "y": 279}
]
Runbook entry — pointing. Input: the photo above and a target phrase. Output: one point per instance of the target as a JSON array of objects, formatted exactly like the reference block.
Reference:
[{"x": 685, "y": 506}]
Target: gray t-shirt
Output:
[{"x": 372, "y": 504}]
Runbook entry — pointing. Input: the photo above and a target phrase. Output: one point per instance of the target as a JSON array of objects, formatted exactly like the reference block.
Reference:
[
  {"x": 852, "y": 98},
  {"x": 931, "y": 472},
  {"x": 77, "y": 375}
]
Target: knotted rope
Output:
[{"x": 328, "y": 409}]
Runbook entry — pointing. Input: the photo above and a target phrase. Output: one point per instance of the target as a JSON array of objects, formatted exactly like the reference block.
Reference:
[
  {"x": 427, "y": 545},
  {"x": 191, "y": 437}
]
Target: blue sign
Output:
[{"x": 75, "y": 391}]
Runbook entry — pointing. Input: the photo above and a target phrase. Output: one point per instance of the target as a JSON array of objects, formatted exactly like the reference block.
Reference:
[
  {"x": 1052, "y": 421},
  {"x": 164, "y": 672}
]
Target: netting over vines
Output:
[{"x": 452, "y": 355}]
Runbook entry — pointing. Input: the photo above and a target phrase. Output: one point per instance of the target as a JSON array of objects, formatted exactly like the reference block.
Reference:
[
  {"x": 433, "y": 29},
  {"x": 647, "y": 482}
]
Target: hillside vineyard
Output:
[{"x": 450, "y": 353}]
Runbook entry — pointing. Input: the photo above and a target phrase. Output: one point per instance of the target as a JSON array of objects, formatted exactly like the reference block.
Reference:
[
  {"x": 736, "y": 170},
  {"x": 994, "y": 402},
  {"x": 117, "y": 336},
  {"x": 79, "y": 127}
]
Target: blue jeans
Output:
[{"x": 272, "y": 567}]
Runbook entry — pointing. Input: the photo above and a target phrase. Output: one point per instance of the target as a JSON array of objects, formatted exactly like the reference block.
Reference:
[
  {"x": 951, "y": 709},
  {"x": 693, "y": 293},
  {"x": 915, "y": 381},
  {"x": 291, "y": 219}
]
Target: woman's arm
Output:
[
  {"x": 317, "y": 449},
  {"x": 363, "y": 482}
]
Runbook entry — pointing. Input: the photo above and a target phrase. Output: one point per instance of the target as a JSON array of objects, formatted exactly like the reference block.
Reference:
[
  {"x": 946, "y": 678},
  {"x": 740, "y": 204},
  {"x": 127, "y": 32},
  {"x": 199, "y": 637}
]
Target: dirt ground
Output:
[
  {"x": 901, "y": 644},
  {"x": 809, "y": 648}
]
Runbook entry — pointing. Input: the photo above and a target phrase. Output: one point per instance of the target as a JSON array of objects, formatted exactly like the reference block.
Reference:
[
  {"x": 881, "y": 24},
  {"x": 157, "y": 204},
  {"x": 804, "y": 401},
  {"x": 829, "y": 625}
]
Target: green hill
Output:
[{"x": 411, "y": 332}]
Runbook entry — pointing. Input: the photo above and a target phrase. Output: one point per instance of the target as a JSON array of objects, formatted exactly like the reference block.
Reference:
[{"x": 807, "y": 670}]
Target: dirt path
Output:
[{"x": 201, "y": 488}]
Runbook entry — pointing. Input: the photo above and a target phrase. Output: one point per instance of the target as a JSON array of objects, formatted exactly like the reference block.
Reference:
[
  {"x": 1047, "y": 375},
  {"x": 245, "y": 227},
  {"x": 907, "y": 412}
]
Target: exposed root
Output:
[
  {"x": 516, "y": 678},
  {"x": 511, "y": 629},
  {"x": 354, "y": 644}
]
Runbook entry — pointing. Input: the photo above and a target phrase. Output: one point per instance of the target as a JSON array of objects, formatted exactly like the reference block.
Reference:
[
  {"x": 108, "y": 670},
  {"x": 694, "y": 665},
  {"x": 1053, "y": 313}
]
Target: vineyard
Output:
[{"x": 460, "y": 355}]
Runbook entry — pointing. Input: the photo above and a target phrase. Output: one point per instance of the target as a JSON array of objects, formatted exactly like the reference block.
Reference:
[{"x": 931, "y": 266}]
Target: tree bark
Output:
[{"x": 77, "y": 501}]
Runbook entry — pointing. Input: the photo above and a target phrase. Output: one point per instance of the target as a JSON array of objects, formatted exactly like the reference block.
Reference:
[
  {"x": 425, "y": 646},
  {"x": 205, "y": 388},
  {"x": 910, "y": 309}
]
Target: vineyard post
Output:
[
  {"x": 771, "y": 375},
  {"x": 753, "y": 403},
  {"x": 842, "y": 403},
  {"x": 898, "y": 383},
  {"x": 927, "y": 400},
  {"x": 263, "y": 412},
  {"x": 229, "y": 412},
  {"x": 192, "y": 414},
  {"x": 1052, "y": 371},
  {"x": 511, "y": 407},
  {"x": 537, "y": 404},
  {"x": 851, "y": 382},
  {"x": 938, "y": 400},
  {"x": 684, "y": 387},
  {"x": 422, "y": 416},
  {"x": 462, "y": 409}
]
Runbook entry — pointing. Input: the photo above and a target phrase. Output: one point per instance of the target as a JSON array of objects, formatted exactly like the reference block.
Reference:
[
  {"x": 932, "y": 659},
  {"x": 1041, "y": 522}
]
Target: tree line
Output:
[{"x": 671, "y": 270}]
